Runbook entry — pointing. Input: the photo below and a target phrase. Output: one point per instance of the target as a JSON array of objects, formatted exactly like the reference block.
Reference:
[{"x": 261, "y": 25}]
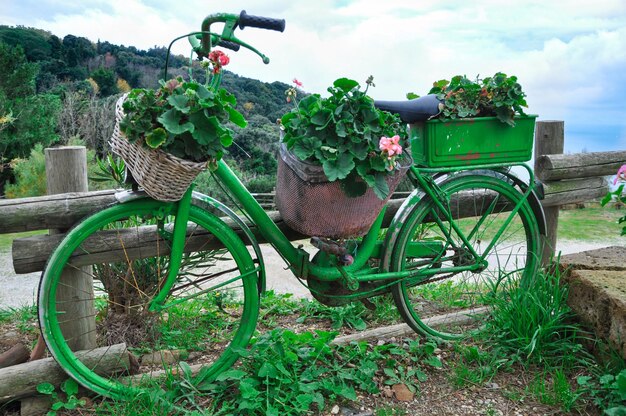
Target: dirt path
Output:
[{"x": 19, "y": 290}]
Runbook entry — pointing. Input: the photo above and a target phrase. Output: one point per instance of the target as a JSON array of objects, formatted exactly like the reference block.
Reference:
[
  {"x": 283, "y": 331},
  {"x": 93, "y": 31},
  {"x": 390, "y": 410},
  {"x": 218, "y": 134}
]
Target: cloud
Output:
[{"x": 568, "y": 54}]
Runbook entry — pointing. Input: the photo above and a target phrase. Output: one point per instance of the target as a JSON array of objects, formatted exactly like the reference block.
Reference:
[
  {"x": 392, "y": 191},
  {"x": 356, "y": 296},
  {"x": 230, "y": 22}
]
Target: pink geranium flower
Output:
[
  {"x": 224, "y": 60},
  {"x": 390, "y": 145},
  {"x": 298, "y": 83},
  {"x": 621, "y": 175}
]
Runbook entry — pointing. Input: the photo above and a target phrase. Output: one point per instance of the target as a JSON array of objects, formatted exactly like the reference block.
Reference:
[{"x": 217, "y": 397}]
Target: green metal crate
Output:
[{"x": 471, "y": 141}]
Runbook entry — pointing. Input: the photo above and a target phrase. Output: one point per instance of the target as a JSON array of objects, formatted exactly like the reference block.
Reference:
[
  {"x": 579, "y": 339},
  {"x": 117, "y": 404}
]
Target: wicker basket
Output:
[
  {"x": 313, "y": 206},
  {"x": 161, "y": 175}
]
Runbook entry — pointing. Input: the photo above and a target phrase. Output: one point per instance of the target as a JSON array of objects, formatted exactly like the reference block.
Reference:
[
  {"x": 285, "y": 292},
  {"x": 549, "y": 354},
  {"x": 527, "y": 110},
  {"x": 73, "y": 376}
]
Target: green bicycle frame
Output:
[{"x": 298, "y": 259}]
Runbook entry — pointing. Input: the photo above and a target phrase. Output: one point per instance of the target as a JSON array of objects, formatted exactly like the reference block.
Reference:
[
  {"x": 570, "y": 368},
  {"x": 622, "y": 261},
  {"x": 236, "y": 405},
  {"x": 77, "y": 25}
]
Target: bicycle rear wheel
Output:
[
  {"x": 449, "y": 303},
  {"x": 116, "y": 341}
]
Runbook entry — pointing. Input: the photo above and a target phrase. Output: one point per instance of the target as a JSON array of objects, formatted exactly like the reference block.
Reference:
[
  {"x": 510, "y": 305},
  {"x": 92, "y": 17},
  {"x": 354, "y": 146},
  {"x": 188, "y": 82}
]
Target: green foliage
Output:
[
  {"x": 342, "y": 133},
  {"x": 35, "y": 122},
  {"x": 66, "y": 401},
  {"x": 348, "y": 316},
  {"x": 184, "y": 118},
  {"x": 499, "y": 96},
  {"x": 285, "y": 373},
  {"x": 608, "y": 391},
  {"x": 24, "y": 318},
  {"x": 531, "y": 321},
  {"x": 554, "y": 390},
  {"x": 18, "y": 75},
  {"x": 476, "y": 366},
  {"x": 30, "y": 175},
  {"x": 620, "y": 197},
  {"x": 106, "y": 80},
  {"x": 111, "y": 170},
  {"x": 34, "y": 42}
]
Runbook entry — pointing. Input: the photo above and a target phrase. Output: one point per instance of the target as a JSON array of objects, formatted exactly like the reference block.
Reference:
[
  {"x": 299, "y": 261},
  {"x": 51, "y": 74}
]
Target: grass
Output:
[
  {"x": 23, "y": 317},
  {"x": 7, "y": 239},
  {"x": 590, "y": 224},
  {"x": 531, "y": 335}
]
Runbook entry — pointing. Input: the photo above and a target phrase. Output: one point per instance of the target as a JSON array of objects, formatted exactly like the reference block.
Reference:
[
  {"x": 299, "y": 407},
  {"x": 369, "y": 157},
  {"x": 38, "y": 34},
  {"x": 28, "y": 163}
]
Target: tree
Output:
[
  {"x": 18, "y": 75},
  {"x": 106, "y": 80},
  {"x": 77, "y": 50},
  {"x": 33, "y": 117}
]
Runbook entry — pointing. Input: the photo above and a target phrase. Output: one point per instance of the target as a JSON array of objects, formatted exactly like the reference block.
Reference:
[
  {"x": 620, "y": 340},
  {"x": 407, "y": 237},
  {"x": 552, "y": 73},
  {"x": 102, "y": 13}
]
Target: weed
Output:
[
  {"x": 476, "y": 366},
  {"x": 530, "y": 322},
  {"x": 354, "y": 315},
  {"x": 294, "y": 374},
  {"x": 608, "y": 391},
  {"x": 275, "y": 304},
  {"x": 554, "y": 390},
  {"x": 390, "y": 411},
  {"x": 23, "y": 317},
  {"x": 407, "y": 376},
  {"x": 67, "y": 401}
]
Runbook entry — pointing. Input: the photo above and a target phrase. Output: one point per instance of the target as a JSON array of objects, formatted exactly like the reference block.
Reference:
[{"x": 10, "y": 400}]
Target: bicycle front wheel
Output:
[
  {"x": 116, "y": 339},
  {"x": 447, "y": 303}
]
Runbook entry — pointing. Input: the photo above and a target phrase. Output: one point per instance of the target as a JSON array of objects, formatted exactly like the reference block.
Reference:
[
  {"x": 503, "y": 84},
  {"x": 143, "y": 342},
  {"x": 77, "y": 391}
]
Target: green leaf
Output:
[
  {"x": 305, "y": 400},
  {"x": 434, "y": 362},
  {"x": 411, "y": 96},
  {"x": 207, "y": 129},
  {"x": 231, "y": 375},
  {"x": 171, "y": 120},
  {"x": 204, "y": 93},
  {"x": 45, "y": 388},
  {"x": 420, "y": 375},
  {"x": 305, "y": 147},
  {"x": 179, "y": 102},
  {"x": 348, "y": 392},
  {"x": 267, "y": 370},
  {"x": 70, "y": 387},
  {"x": 57, "y": 405},
  {"x": 339, "y": 168},
  {"x": 345, "y": 84},
  {"x": 322, "y": 117},
  {"x": 381, "y": 189},
  {"x": 236, "y": 117},
  {"x": 156, "y": 138}
]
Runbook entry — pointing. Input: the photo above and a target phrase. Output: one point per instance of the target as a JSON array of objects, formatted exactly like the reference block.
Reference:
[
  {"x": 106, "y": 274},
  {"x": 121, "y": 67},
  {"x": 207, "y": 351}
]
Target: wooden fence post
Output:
[
  {"x": 66, "y": 171},
  {"x": 549, "y": 140}
]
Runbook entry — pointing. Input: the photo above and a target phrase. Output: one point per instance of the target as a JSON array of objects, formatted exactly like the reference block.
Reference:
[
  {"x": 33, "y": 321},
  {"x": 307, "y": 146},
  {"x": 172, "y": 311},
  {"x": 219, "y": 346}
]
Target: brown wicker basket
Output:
[
  {"x": 163, "y": 176},
  {"x": 313, "y": 206}
]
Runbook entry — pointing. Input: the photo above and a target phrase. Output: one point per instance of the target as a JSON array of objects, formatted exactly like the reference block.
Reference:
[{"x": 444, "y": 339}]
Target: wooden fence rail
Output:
[{"x": 561, "y": 187}]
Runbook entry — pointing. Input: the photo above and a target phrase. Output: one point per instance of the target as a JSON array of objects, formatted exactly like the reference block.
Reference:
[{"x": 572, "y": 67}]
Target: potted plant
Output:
[
  {"x": 341, "y": 159},
  {"x": 169, "y": 134},
  {"x": 480, "y": 121}
]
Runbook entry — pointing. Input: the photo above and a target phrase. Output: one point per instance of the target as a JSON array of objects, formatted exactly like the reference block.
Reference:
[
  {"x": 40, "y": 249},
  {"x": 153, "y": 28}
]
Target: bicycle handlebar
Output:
[
  {"x": 261, "y": 22},
  {"x": 227, "y": 39},
  {"x": 229, "y": 45}
]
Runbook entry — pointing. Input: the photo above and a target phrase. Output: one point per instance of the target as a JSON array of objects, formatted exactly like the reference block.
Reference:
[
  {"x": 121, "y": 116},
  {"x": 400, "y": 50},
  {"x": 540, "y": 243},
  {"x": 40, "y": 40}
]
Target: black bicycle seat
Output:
[{"x": 412, "y": 111}]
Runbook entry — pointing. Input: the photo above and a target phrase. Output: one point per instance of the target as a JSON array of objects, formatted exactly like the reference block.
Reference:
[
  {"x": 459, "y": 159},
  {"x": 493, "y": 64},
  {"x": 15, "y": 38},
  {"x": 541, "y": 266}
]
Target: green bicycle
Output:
[{"x": 181, "y": 281}]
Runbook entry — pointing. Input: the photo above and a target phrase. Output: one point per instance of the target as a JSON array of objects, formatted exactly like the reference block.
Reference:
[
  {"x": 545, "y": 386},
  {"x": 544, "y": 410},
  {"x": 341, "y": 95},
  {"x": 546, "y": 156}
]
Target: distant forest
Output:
[{"x": 58, "y": 91}]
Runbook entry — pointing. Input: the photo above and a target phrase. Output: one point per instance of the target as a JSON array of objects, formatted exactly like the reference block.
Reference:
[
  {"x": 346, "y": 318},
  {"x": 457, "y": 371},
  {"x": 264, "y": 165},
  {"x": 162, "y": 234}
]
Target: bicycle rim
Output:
[
  {"x": 449, "y": 304},
  {"x": 116, "y": 261}
]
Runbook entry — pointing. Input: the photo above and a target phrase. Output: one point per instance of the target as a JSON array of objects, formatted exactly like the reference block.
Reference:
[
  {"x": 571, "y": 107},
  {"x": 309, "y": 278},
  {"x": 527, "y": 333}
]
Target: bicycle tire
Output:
[
  {"x": 210, "y": 312},
  {"x": 449, "y": 305}
]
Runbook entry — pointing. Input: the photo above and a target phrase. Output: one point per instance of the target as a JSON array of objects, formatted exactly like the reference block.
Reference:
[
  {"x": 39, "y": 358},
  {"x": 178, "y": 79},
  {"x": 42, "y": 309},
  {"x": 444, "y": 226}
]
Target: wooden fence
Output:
[{"x": 567, "y": 179}]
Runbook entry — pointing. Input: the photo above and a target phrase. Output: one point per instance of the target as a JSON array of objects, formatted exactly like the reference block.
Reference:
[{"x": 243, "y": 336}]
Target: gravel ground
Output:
[{"x": 19, "y": 290}]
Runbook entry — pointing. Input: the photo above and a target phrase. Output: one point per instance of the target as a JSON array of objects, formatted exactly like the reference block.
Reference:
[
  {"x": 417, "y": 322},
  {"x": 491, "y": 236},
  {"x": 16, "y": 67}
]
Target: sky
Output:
[{"x": 568, "y": 55}]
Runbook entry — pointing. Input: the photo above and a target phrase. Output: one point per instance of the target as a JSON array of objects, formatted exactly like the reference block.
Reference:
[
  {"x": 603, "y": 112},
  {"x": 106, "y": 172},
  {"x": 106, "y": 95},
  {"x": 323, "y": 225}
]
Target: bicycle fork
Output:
[{"x": 177, "y": 247}]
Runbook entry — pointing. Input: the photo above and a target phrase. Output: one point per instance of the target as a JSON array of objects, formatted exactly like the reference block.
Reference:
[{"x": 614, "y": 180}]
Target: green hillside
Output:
[{"x": 58, "y": 90}]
